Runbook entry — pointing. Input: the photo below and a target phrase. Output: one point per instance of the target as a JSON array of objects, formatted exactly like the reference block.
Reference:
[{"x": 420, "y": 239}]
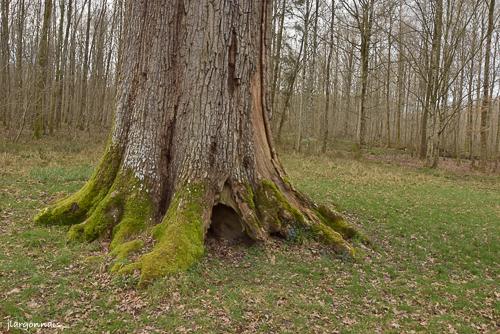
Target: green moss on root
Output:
[
  {"x": 107, "y": 213},
  {"x": 334, "y": 239},
  {"x": 246, "y": 208},
  {"x": 336, "y": 222},
  {"x": 138, "y": 210},
  {"x": 289, "y": 221},
  {"x": 274, "y": 209},
  {"x": 125, "y": 249},
  {"x": 250, "y": 197},
  {"x": 121, "y": 214},
  {"x": 75, "y": 208},
  {"x": 179, "y": 237},
  {"x": 122, "y": 252}
]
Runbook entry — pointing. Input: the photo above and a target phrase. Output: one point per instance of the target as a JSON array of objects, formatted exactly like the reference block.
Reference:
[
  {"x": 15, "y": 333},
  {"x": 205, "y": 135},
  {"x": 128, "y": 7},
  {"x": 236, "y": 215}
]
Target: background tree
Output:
[
  {"x": 486, "y": 88},
  {"x": 362, "y": 12},
  {"x": 41, "y": 73},
  {"x": 4, "y": 63},
  {"x": 431, "y": 111}
]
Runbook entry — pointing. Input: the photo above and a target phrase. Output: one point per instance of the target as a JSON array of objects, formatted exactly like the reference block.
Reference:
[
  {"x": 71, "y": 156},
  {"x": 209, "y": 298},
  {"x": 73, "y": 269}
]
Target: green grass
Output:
[{"x": 433, "y": 268}]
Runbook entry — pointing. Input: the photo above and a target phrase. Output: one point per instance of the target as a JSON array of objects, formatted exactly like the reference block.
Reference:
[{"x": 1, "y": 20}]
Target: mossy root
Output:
[
  {"x": 77, "y": 207},
  {"x": 179, "y": 237},
  {"x": 121, "y": 214},
  {"x": 282, "y": 217}
]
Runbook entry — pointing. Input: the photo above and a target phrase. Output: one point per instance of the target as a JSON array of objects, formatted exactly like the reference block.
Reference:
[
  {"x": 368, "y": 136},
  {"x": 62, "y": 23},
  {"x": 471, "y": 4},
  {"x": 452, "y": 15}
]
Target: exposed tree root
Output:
[
  {"x": 124, "y": 214},
  {"x": 179, "y": 238},
  {"x": 76, "y": 207},
  {"x": 293, "y": 222}
]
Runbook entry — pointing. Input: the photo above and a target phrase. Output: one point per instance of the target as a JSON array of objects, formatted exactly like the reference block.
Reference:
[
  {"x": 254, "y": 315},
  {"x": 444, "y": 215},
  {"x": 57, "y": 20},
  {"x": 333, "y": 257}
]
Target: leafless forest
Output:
[{"x": 420, "y": 76}]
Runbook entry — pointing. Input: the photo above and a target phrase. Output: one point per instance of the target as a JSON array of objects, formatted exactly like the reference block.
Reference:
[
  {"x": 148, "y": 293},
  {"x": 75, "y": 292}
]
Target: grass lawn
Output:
[{"x": 433, "y": 267}]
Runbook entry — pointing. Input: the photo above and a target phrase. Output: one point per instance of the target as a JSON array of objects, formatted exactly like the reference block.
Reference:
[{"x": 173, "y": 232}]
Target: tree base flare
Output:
[
  {"x": 74, "y": 209},
  {"x": 124, "y": 215},
  {"x": 179, "y": 238}
]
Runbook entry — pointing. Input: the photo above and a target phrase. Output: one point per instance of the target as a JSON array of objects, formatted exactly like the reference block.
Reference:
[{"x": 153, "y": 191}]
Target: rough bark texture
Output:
[
  {"x": 4, "y": 62},
  {"x": 41, "y": 72},
  {"x": 365, "y": 28},
  {"x": 486, "y": 90},
  {"x": 191, "y": 133}
]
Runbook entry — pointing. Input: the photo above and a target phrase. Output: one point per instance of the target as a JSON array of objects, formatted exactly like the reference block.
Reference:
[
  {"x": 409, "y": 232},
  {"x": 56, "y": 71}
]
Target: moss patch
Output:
[
  {"x": 106, "y": 214},
  {"x": 274, "y": 209},
  {"x": 336, "y": 222},
  {"x": 122, "y": 213},
  {"x": 138, "y": 210},
  {"x": 250, "y": 197},
  {"x": 332, "y": 238},
  {"x": 179, "y": 237},
  {"x": 281, "y": 216},
  {"x": 123, "y": 251},
  {"x": 75, "y": 208}
]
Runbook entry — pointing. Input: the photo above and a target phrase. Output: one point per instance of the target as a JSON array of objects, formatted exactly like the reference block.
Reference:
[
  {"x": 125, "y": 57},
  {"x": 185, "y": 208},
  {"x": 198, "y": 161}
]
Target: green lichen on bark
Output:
[
  {"x": 75, "y": 208},
  {"x": 179, "y": 237}
]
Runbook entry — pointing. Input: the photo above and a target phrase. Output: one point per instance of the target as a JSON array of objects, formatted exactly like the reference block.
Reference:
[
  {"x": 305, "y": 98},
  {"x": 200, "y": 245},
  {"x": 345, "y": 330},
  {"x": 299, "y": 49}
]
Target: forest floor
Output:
[{"x": 433, "y": 268}]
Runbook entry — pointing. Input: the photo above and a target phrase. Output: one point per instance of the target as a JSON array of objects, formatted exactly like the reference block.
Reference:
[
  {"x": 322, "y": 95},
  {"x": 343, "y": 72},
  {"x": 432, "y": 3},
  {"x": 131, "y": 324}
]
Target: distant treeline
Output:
[{"x": 421, "y": 75}]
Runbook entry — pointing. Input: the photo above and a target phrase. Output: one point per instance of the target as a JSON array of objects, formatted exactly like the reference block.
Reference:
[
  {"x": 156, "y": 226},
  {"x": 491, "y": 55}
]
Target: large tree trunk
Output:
[{"x": 191, "y": 147}]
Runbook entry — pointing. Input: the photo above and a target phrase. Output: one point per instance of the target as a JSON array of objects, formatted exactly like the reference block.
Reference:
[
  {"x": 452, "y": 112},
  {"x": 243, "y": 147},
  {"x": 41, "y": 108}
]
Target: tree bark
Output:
[
  {"x": 365, "y": 28},
  {"x": 388, "y": 84},
  {"x": 469, "y": 126},
  {"x": 277, "y": 54},
  {"x": 288, "y": 93},
  {"x": 401, "y": 77},
  {"x": 21, "y": 100},
  {"x": 83, "y": 107},
  {"x": 191, "y": 143},
  {"x": 42, "y": 73},
  {"x": 348, "y": 88},
  {"x": 433, "y": 90},
  {"x": 57, "y": 105},
  {"x": 486, "y": 90},
  {"x": 326, "y": 112},
  {"x": 4, "y": 64},
  {"x": 497, "y": 140},
  {"x": 300, "y": 122}
]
